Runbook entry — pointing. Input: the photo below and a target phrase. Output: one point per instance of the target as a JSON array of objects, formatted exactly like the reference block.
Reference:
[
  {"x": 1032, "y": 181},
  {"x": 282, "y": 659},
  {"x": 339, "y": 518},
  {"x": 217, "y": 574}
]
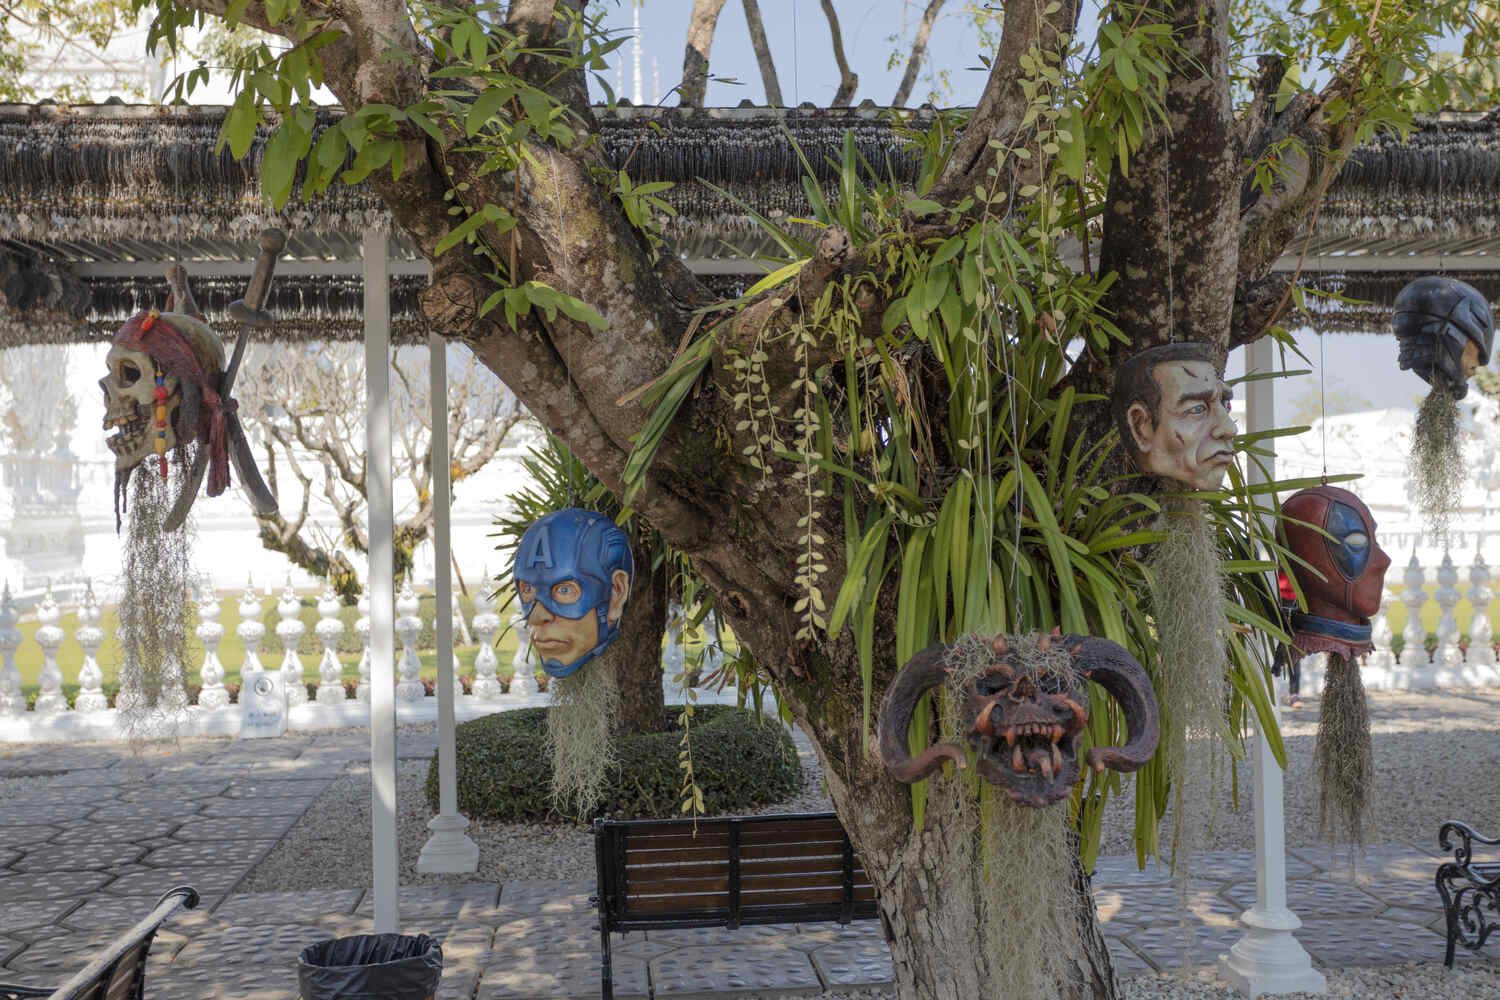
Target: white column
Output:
[
  {"x": 1448, "y": 659},
  {"x": 330, "y": 667},
  {"x": 290, "y": 631},
  {"x": 1481, "y": 655},
  {"x": 465, "y": 638},
  {"x": 1418, "y": 674},
  {"x": 49, "y": 699},
  {"x": 385, "y": 856},
  {"x": 12, "y": 701},
  {"x": 209, "y": 632},
  {"x": 449, "y": 849},
  {"x": 408, "y": 627},
  {"x": 90, "y": 636},
  {"x": 1380, "y": 664},
  {"x": 1268, "y": 959},
  {"x": 486, "y": 624},
  {"x": 362, "y": 629},
  {"x": 523, "y": 677},
  {"x": 250, "y": 630}
]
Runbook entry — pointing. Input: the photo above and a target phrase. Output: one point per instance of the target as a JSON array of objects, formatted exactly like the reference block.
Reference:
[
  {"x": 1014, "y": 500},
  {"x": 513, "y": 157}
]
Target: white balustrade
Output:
[
  {"x": 1382, "y": 659},
  {"x": 49, "y": 699},
  {"x": 90, "y": 637},
  {"x": 330, "y": 668},
  {"x": 486, "y": 663},
  {"x": 523, "y": 677},
  {"x": 408, "y": 627},
  {"x": 455, "y": 627},
  {"x": 362, "y": 630},
  {"x": 290, "y": 630},
  {"x": 461, "y": 627},
  {"x": 1448, "y": 658},
  {"x": 12, "y": 701},
  {"x": 213, "y": 695},
  {"x": 250, "y": 630},
  {"x": 1414, "y": 667},
  {"x": 1483, "y": 668}
]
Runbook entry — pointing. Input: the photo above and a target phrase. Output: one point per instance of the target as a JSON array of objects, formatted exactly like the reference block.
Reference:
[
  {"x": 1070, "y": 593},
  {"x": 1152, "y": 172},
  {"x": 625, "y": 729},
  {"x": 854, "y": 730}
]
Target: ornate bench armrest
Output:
[{"x": 1463, "y": 851}]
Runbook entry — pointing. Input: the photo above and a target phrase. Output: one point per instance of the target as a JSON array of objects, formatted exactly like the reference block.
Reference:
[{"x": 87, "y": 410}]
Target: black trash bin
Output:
[{"x": 371, "y": 967}]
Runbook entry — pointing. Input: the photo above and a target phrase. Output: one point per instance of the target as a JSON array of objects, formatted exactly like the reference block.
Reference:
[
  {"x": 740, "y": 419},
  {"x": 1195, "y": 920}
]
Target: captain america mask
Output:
[
  {"x": 572, "y": 576},
  {"x": 1346, "y": 568}
]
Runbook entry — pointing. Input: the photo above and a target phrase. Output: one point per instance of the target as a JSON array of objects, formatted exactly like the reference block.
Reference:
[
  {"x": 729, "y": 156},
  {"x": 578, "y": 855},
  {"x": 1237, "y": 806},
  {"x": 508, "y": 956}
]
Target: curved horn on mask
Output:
[
  {"x": 1107, "y": 664},
  {"x": 920, "y": 674}
]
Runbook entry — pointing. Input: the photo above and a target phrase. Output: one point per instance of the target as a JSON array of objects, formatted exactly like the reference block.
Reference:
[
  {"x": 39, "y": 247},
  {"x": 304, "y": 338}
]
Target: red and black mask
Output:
[{"x": 1332, "y": 531}]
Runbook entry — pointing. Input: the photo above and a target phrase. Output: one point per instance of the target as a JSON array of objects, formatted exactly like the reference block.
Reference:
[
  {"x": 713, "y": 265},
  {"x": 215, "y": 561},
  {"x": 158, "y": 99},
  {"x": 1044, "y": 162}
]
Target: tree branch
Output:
[
  {"x": 918, "y": 51},
  {"x": 702, "y": 23},
  {"x": 763, "y": 54},
  {"x": 848, "y": 80}
]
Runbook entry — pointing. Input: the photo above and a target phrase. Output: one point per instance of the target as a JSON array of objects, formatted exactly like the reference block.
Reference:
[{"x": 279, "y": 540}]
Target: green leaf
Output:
[
  {"x": 922, "y": 206},
  {"x": 239, "y": 125},
  {"x": 485, "y": 107},
  {"x": 1125, "y": 70},
  {"x": 859, "y": 564},
  {"x": 776, "y": 277},
  {"x": 278, "y": 166}
]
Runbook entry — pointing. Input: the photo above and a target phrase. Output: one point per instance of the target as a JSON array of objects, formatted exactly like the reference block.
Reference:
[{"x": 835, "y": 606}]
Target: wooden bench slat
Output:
[
  {"x": 720, "y": 883},
  {"x": 640, "y": 856},
  {"x": 749, "y": 824},
  {"x": 709, "y": 868}
]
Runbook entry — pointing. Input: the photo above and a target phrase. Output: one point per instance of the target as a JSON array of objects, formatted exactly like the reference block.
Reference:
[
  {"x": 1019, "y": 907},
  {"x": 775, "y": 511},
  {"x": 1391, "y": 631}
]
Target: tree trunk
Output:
[
  {"x": 763, "y": 53},
  {"x": 918, "y": 50},
  {"x": 635, "y": 656},
  {"x": 702, "y": 23}
]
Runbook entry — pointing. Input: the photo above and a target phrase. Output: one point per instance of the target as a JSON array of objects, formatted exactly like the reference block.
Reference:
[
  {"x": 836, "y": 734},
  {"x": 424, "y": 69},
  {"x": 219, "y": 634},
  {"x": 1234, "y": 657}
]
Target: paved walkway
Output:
[{"x": 90, "y": 836}]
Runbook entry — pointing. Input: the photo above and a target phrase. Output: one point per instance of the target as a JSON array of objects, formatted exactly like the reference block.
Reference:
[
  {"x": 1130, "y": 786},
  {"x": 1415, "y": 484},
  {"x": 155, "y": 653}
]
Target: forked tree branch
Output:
[
  {"x": 763, "y": 54},
  {"x": 848, "y": 79},
  {"x": 918, "y": 51},
  {"x": 702, "y": 23}
]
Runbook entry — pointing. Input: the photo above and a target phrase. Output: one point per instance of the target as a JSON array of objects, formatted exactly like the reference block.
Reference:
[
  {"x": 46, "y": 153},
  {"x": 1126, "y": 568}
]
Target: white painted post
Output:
[
  {"x": 330, "y": 668},
  {"x": 1448, "y": 659},
  {"x": 12, "y": 701},
  {"x": 408, "y": 627},
  {"x": 523, "y": 677},
  {"x": 449, "y": 849},
  {"x": 1268, "y": 959},
  {"x": 385, "y": 855},
  {"x": 250, "y": 630},
  {"x": 362, "y": 629},
  {"x": 290, "y": 631},
  {"x": 90, "y": 636},
  {"x": 1481, "y": 654},
  {"x": 1379, "y": 665},
  {"x": 50, "y": 699},
  {"x": 486, "y": 663},
  {"x": 209, "y": 632}
]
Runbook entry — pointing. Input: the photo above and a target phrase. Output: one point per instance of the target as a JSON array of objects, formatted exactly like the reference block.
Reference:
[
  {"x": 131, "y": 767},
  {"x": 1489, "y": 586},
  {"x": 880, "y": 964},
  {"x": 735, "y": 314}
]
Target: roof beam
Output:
[{"x": 1360, "y": 262}]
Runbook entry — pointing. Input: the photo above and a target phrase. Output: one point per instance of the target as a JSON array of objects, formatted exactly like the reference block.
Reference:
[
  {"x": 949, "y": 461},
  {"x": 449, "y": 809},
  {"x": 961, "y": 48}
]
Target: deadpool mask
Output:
[{"x": 1332, "y": 531}]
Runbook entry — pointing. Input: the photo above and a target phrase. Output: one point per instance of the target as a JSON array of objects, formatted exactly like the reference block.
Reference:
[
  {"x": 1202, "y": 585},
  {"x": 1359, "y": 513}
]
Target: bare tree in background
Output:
[
  {"x": 763, "y": 54},
  {"x": 308, "y": 402},
  {"x": 702, "y": 23},
  {"x": 848, "y": 79},
  {"x": 918, "y": 51}
]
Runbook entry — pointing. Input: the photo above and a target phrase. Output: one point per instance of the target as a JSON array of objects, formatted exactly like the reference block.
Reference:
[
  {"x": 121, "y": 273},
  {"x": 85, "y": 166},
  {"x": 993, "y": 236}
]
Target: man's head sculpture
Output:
[
  {"x": 1445, "y": 331},
  {"x": 1023, "y": 723},
  {"x": 166, "y": 388},
  {"x": 1333, "y": 533},
  {"x": 1172, "y": 409},
  {"x": 572, "y": 576}
]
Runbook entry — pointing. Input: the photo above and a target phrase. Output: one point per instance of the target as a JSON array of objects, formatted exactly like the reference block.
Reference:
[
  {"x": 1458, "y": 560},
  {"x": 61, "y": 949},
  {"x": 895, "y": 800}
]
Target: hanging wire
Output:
[
  {"x": 1442, "y": 243},
  {"x": 1322, "y": 373}
]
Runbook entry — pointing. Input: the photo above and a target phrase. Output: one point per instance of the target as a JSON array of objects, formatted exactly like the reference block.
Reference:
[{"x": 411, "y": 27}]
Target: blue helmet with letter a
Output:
[{"x": 576, "y": 545}]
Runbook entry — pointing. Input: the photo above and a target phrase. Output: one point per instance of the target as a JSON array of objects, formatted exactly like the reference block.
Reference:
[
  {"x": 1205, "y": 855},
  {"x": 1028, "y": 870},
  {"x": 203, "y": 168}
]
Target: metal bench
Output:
[
  {"x": 1470, "y": 889},
  {"x": 730, "y": 872},
  {"x": 119, "y": 972}
]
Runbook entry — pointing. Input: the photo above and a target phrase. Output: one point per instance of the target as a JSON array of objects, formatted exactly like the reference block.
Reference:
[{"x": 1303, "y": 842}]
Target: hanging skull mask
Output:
[
  {"x": 130, "y": 388},
  {"x": 1023, "y": 724}
]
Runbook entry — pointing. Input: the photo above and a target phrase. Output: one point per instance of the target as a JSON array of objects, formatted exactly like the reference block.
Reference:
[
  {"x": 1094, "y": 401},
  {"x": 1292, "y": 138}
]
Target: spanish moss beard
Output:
[
  {"x": 1435, "y": 469},
  {"x": 1344, "y": 756},
  {"x": 580, "y": 737},
  {"x": 154, "y": 624},
  {"x": 1187, "y": 600}
]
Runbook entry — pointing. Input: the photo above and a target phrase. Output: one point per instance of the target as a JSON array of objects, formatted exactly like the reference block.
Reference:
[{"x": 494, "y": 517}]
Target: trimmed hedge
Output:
[{"x": 504, "y": 771}]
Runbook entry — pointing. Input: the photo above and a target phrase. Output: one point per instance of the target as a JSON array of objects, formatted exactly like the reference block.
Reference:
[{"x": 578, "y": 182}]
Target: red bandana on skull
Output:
[{"x": 1334, "y": 533}]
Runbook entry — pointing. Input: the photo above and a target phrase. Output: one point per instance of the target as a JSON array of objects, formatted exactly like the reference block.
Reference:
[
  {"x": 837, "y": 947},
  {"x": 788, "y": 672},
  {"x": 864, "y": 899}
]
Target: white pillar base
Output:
[
  {"x": 449, "y": 849},
  {"x": 1269, "y": 959}
]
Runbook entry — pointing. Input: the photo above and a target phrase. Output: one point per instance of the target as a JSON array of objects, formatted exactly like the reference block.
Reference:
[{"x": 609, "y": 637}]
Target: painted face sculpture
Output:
[
  {"x": 1334, "y": 532},
  {"x": 1023, "y": 724},
  {"x": 572, "y": 577},
  {"x": 1172, "y": 409},
  {"x": 1445, "y": 331}
]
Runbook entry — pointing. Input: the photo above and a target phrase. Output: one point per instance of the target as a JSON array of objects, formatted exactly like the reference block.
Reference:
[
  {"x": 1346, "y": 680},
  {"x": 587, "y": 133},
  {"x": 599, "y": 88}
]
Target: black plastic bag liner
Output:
[{"x": 371, "y": 967}]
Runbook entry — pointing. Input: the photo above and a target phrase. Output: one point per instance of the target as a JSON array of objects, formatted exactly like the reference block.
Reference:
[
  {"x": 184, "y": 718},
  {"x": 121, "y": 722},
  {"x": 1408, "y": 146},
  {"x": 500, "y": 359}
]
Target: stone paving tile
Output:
[
  {"x": 540, "y": 934},
  {"x": 121, "y": 813},
  {"x": 1127, "y": 962},
  {"x": 100, "y": 854},
  {"x": 50, "y": 885},
  {"x": 62, "y": 952},
  {"x": 1147, "y": 903},
  {"x": 852, "y": 963},
  {"x": 1411, "y": 893},
  {"x": 634, "y": 945},
  {"x": 9, "y": 948},
  {"x": 700, "y": 972},
  {"x": 1120, "y": 871},
  {"x": 556, "y": 976},
  {"x": 457, "y": 984},
  {"x": 17, "y": 915},
  {"x": 518, "y": 896},
  {"x": 1306, "y": 897},
  {"x": 247, "y": 979},
  {"x": 252, "y": 907},
  {"x": 21, "y": 977},
  {"x": 1336, "y": 943},
  {"x": 139, "y": 880},
  {"x": 9, "y": 856},
  {"x": 223, "y": 808},
  {"x": 81, "y": 793},
  {"x": 433, "y": 903},
  {"x": 176, "y": 791},
  {"x": 810, "y": 936},
  {"x": 273, "y": 944},
  {"x": 234, "y": 828},
  {"x": 205, "y": 853},
  {"x": 137, "y": 831},
  {"x": 24, "y": 836},
  {"x": 769, "y": 935},
  {"x": 1170, "y": 945},
  {"x": 111, "y": 777},
  {"x": 57, "y": 813},
  {"x": 120, "y": 912},
  {"x": 264, "y": 786}
]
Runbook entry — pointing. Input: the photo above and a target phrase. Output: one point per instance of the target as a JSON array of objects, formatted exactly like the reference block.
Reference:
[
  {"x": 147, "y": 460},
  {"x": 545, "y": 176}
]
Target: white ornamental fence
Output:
[{"x": 51, "y": 717}]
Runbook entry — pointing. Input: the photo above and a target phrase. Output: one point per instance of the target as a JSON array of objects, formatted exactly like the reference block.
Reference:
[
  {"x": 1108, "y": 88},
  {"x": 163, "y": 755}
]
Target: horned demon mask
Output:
[
  {"x": 1022, "y": 716},
  {"x": 168, "y": 386},
  {"x": 1342, "y": 571}
]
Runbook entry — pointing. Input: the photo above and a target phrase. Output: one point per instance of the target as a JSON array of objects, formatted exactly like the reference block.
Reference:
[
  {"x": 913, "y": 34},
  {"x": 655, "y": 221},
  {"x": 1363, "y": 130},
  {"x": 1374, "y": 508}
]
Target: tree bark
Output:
[
  {"x": 848, "y": 79},
  {"x": 763, "y": 54},
  {"x": 635, "y": 656},
  {"x": 702, "y": 23},
  {"x": 918, "y": 51}
]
